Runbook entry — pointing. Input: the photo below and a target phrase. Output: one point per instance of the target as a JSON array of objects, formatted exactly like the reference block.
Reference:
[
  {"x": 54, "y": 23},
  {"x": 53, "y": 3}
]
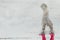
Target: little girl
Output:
[{"x": 45, "y": 19}]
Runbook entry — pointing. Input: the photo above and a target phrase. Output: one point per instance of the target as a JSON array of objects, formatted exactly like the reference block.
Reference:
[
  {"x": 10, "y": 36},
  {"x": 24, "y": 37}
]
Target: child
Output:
[{"x": 45, "y": 19}]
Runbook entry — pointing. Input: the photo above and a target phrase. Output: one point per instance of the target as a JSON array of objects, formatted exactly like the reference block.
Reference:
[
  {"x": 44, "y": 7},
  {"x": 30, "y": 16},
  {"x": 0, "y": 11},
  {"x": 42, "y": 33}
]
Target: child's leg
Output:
[
  {"x": 43, "y": 28},
  {"x": 51, "y": 28},
  {"x": 50, "y": 24}
]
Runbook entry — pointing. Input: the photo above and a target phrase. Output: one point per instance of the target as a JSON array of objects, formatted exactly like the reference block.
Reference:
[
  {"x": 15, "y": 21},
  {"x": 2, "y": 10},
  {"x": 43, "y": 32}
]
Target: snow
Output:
[{"x": 21, "y": 19}]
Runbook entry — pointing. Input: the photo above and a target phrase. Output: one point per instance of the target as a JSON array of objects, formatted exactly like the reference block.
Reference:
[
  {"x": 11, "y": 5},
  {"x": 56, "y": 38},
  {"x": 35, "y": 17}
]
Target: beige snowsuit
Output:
[{"x": 46, "y": 21}]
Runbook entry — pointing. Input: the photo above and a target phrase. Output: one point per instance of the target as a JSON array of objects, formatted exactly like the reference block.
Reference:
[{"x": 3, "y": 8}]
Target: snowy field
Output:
[{"x": 21, "y": 19}]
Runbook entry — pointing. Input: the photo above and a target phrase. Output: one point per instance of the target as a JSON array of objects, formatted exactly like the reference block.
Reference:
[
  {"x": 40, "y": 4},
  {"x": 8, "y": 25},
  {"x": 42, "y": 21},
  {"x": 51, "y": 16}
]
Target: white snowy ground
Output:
[{"x": 21, "y": 19}]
